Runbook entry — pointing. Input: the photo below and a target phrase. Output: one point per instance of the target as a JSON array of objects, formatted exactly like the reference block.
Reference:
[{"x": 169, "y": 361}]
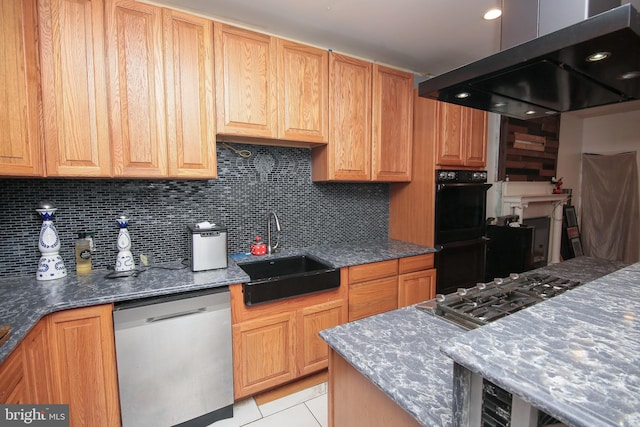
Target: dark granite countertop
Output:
[
  {"x": 24, "y": 300},
  {"x": 574, "y": 356},
  {"x": 399, "y": 351}
]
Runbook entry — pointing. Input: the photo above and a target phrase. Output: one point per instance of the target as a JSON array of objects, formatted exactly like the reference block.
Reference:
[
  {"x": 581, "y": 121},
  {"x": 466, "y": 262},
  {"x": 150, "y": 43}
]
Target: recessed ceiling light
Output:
[
  {"x": 629, "y": 75},
  {"x": 492, "y": 14},
  {"x": 463, "y": 95},
  {"x": 530, "y": 112},
  {"x": 598, "y": 56},
  {"x": 499, "y": 104}
]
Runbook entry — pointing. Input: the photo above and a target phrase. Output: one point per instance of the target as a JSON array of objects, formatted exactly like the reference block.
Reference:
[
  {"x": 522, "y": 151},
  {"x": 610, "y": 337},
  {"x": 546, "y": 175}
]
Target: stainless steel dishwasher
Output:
[{"x": 174, "y": 359}]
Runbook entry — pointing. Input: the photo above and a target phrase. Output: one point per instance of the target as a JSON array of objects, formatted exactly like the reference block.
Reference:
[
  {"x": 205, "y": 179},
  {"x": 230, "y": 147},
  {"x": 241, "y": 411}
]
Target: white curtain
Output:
[{"x": 610, "y": 213}]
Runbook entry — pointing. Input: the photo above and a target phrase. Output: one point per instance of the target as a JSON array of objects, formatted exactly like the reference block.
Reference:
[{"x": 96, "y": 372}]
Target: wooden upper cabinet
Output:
[
  {"x": 136, "y": 89},
  {"x": 74, "y": 94},
  {"x": 20, "y": 139},
  {"x": 462, "y": 136},
  {"x": 188, "y": 56},
  {"x": 245, "y": 74},
  {"x": 347, "y": 156},
  {"x": 302, "y": 92},
  {"x": 392, "y": 136},
  {"x": 476, "y": 154}
]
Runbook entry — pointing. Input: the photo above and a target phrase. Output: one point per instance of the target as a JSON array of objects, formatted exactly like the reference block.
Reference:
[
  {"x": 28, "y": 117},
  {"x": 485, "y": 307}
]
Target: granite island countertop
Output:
[
  {"x": 24, "y": 300},
  {"x": 399, "y": 351},
  {"x": 574, "y": 356}
]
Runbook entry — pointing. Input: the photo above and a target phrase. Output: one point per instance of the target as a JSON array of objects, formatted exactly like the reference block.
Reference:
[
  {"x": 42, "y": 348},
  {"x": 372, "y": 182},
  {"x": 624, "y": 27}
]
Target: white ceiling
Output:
[{"x": 422, "y": 36}]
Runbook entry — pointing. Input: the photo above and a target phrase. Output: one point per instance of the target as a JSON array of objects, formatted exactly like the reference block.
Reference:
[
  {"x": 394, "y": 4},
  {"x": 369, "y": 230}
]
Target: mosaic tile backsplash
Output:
[{"x": 273, "y": 178}]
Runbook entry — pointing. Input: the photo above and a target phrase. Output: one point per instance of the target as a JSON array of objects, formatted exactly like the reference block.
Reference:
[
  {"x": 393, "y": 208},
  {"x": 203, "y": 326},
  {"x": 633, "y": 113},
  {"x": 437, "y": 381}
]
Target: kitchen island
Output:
[{"x": 400, "y": 352}]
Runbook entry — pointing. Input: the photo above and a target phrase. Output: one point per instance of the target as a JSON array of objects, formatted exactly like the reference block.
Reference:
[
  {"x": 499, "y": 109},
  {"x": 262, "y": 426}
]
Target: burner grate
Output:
[{"x": 488, "y": 302}]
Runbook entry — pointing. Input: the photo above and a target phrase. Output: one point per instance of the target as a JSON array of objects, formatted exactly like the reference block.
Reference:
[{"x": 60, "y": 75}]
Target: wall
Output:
[
  {"x": 584, "y": 132},
  {"x": 273, "y": 178}
]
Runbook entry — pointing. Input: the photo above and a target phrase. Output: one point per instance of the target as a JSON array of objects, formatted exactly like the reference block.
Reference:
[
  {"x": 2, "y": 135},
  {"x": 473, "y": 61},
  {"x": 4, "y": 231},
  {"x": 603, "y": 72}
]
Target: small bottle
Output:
[{"x": 83, "y": 254}]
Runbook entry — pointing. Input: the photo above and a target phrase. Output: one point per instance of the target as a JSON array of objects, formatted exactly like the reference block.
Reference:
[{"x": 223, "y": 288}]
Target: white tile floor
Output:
[{"x": 306, "y": 408}]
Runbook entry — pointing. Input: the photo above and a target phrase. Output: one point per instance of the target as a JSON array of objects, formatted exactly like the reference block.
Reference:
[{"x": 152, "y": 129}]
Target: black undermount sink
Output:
[{"x": 279, "y": 278}]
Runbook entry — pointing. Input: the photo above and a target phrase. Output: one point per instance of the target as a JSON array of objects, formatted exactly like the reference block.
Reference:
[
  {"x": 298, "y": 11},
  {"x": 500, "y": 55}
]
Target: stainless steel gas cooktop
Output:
[{"x": 486, "y": 302}]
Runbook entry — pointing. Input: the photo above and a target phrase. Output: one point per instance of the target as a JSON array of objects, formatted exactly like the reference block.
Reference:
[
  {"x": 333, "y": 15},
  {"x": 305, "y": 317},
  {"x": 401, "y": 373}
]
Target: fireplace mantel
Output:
[{"x": 517, "y": 204}]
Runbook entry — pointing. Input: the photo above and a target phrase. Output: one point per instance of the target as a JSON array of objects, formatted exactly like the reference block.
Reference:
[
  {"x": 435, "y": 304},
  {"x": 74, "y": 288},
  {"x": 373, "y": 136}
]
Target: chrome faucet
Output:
[{"x": 272, "y": 249}]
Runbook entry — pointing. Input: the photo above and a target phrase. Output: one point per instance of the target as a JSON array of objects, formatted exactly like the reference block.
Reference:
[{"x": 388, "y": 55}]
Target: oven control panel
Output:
[{"x": 462, "y": 176}]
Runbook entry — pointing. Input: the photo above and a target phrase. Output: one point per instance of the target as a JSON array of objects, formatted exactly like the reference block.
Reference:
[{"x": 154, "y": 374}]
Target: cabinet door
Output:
[
  {"x": 83, "y": 360},
  {"x": 13, "y": 390},
  {"x": 74, "y": 89},
  {"x": 476, "y": 145},
  {"x": 303, "y": 79},
  {"x": 392, "y": 136},
  {"x": 313, "y": 352},
  {"x": 38, "y": 365},
  {"x": 369, "y": 298},
  {"x": 263, "y": 353},
  {"x": 451, "y": 135},
  {"x": 188, "y": 55},
  {"x": 136, "y": 89},
  {"x": 245, "y": 68},
  {"x": 416, "y": 287},
  {"x": 349, "y": 148},
  {"x": 20, "y": 139}
]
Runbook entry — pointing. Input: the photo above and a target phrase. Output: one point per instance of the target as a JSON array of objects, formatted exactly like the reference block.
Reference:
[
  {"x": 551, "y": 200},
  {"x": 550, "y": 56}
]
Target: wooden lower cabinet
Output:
[
  {"x": 84, "y": 365},
  {"x": 13, "y": 388},
  {"x": 355, "y": 402},
  {"x": 373, "y": 297},
  {"x": 313, "y": 352},
  {"x": 264, "y": 353},
  {"x": 38, "y": 365},
  {"x": 67, "y": 358},
  {"x": 416, "y": 287},
  {"x": 277, "y": 342}
]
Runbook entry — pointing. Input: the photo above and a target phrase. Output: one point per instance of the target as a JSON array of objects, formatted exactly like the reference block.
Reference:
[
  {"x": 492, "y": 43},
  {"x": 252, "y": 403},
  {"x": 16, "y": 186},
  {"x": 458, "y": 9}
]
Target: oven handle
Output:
[
  {"x": 442, "y": 187},
  {"x": 480, "y": 241}
]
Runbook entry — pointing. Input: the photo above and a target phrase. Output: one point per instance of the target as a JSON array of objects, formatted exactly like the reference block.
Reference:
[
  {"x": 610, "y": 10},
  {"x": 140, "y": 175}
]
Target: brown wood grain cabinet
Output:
[
  {"x": 270, "y": 90},
  {"x": 38, "y": 370},
  {"x": 264, "y": 353},
  {"x": 191, "y": 134},
  {"x": 461, "y": 139},
  {"x": 355, "y": 401},
  {"x": 313, "y": 352},
  {"x": 302, "y": 80},
  {"x": 67, "y": 358},
  {"x": 370, "y": 110},
  {"x": 392, "y": 120},
  {"x": 277, "y": 342},
  {"x": 245, "y": 76},
  {"x": 20, "y": 140},
  {"x": 161, "y": 91},
  {"x": 416, "y": 287},
  {"x": 74, "y": 89},
  {"x": 136, "y": 89},
  {"x": 13, "y": 387},
  {"x": 83, "y": 362},
  {"x": 411, "y": 205}
]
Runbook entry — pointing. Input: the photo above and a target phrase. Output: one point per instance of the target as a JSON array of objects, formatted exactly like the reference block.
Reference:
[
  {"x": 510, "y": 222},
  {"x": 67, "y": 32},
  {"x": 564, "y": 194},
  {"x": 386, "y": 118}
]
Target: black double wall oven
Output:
[{"x": 460, "y": 218}]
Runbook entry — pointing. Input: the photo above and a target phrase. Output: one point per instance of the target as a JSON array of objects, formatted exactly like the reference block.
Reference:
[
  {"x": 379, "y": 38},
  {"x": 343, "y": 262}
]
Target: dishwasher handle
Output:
[{"x": 175, "y": 315}]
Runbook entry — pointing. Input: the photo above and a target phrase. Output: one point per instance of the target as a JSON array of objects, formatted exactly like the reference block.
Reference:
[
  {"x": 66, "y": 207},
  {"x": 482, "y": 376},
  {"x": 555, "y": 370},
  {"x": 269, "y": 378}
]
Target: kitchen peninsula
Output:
[{"x": 591, "y": 331}]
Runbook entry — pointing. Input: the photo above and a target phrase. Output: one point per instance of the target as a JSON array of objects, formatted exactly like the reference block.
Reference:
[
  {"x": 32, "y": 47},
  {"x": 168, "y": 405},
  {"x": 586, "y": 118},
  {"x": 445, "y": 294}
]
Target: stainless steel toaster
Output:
[{"x": 208, "y": 247}]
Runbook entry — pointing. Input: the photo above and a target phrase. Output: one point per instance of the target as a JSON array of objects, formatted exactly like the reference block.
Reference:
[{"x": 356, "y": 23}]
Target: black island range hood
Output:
[{"x": 551, "y": 74}]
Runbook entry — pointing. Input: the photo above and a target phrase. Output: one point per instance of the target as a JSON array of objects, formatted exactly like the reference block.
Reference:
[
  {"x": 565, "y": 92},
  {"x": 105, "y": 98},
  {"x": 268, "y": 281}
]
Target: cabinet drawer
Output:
[
  {"x": 415, "y": 263},
  {"x": 374, "y": 270},
  {"x": 369, "y": 298}
]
